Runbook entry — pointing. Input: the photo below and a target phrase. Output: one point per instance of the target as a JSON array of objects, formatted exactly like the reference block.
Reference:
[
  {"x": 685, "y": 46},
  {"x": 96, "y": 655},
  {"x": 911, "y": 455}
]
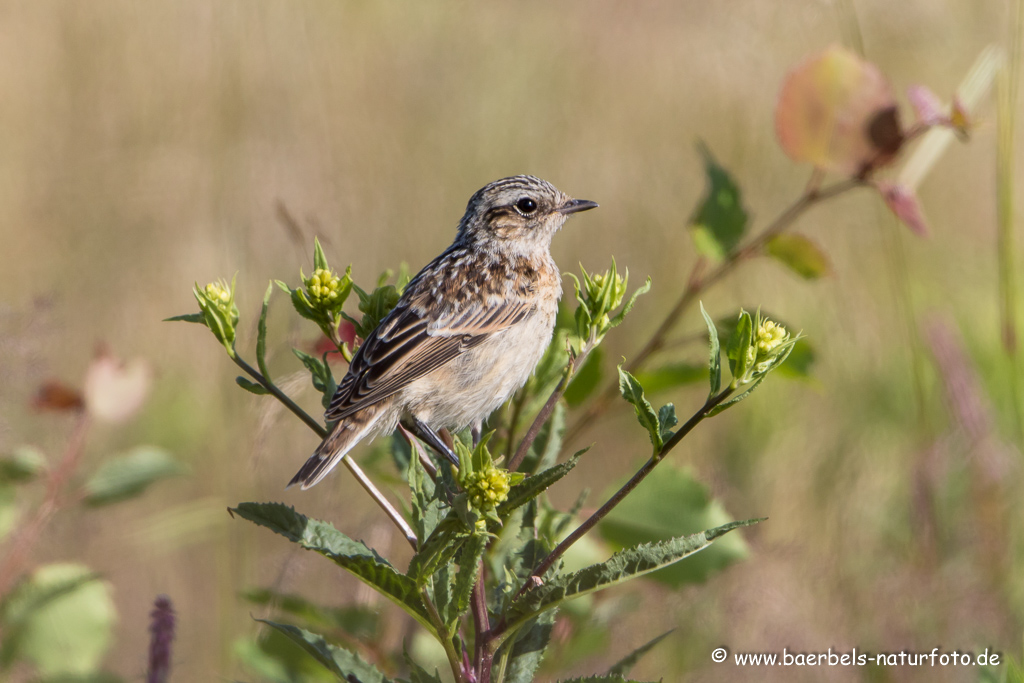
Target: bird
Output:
[{"x": 467, "y": 331}]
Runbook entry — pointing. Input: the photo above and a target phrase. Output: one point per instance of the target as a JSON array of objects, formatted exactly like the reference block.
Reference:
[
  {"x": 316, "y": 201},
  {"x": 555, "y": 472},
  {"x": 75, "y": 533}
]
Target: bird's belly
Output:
[{"x": 476, "y": 383}]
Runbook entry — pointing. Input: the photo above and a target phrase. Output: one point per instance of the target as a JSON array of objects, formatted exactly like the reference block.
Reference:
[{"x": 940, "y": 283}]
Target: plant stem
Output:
[
  {"x": 482, "y": 656},
  {"x": 549, "y": 407},
  {"x": 442, "y": 635},
  {"x": 697, "y": 283},
  {"x": 357, "y": 471},
  {"x": 626, "y": 489},
  {"x": 21, "y": 545}
]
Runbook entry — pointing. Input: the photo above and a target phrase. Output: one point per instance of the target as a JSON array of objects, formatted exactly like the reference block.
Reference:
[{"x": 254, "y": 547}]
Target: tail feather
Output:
[{"x": 343, "y": 437}]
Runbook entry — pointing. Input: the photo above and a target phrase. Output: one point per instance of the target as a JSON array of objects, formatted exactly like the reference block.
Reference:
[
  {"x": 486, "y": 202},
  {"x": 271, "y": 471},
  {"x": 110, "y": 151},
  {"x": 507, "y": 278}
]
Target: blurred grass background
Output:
[{"x": 146, "y": 146}]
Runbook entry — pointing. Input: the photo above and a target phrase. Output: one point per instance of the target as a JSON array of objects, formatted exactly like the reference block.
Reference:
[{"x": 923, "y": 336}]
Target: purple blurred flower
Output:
[{"x": 162, "y": 628}]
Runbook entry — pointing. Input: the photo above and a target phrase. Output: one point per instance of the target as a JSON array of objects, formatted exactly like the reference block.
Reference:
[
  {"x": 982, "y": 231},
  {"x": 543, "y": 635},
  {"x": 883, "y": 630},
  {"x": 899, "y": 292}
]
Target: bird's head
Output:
[{"x": 520, "y": 213}]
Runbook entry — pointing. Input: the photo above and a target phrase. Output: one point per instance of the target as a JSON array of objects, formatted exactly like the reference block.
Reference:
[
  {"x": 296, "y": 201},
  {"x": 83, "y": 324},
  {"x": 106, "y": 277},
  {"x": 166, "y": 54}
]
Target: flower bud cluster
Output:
[
  {"x": 323, "y": 288},
  {"x": 600, "y": 296},
  {"x": 487, "y": 488}
]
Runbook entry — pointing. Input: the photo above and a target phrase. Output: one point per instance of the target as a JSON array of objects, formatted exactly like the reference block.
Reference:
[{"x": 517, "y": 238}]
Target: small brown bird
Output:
[{"x": 467, "y": 332}]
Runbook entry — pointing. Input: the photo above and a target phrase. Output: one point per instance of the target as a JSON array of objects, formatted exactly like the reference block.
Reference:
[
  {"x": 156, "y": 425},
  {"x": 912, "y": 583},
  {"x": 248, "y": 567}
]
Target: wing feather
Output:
[{"x": 408, "y": 345}]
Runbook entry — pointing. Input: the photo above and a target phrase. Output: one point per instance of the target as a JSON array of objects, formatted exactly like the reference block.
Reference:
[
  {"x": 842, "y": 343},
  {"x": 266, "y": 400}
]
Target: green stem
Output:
[
  {"x": 441, "y": 633},
  {"x": 546, "y": 564},
  {"x": 320, "y": 430}
]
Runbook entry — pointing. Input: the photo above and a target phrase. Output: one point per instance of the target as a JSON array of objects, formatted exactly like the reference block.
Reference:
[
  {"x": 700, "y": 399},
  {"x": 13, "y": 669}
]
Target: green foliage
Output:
[
  {"x": 129, "y": 475},
  {"x": 799, "y": 254},
  {"x": 374, "y": 306},
  {"x": 623, "y": 566},
  {"x": 24, "y": 464},
  {"x": 60, "y": 619},
  {"x": 599, "y": 296},
  {"x": 658, "y": 424},
  {"x": 322, "y": 295},
  {"x": 670, "y": 505},
  {"x": 217, "y": 310},
  {"x": 353, "y": 556},
  {"x": 320, "y": 372},
  {"x": 342, "y": 663},
  {"x": 720, "y": 221}
]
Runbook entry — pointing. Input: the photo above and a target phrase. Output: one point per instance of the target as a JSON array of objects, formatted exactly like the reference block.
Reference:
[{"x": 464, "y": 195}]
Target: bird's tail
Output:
[{"x": 344, "y": 435}]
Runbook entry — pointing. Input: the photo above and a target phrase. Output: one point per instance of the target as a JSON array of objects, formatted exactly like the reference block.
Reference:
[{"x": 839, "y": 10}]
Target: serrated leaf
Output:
[
  {"x": 799, "y": 254},
  {"x": 127, "y": 476},
  {"x": 427, "y": 508},
  {"x": 670, "y": 505},
  {"x": 720, "y": 220},
  {"x": 634, "y": 394},
  {"x": 251, "y": 387},
  {"x": 624, "y": 665},
  {"x": 469, "y": 569},
  {"x": 187, "y": 318},
  {"x": 347, "y": 666},
  {"x": 529, "y": 647},
  {"x": 533, "y": 486},
  {"x": 586, "y": 379},
  {"x": 440, "y": 547},
  {"x": 714, "y": 353},
  {"x": 623, "y": 566},
  {"x": 356, "y": 557},
  {"x": 417, "y": 674}
]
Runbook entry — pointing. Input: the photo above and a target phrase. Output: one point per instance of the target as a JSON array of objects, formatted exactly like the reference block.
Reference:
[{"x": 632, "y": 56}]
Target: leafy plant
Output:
[{"x": 490, "y": 566}]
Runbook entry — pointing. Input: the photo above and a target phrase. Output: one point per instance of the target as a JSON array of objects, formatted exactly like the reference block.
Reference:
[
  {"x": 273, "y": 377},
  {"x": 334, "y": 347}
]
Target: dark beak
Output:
[{"x": 575, "y": 205}]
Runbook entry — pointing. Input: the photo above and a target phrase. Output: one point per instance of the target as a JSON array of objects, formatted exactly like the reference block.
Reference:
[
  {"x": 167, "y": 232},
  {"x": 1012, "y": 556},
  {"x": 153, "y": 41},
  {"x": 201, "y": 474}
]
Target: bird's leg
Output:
[
  {"x": 476, "y": 430},
  {"x": 434, "y": 441}
]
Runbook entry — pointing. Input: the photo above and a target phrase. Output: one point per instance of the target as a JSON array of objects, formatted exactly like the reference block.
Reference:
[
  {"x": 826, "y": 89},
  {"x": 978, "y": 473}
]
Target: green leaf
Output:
[
  {"x": 347, "y": 666},
  {"x": 671, "y": 504},
  {"x": 801, "y": 360},
  {"x": 643, "y": 289},
  {"x": 361, "y": 622},
  {"x": 623, "y": 566},
  {"x": 585, "y": 380},
  {"x": 634, "y": 393},
  {"x": 720, "y": 220},
  {"x": 24, "y": 464},
  {"x": 738, "y": 347},
  {"x": 322, "y": 538},
  {"x": 188, "y": 318},
  {"x": 261, "y": 335},
  {"x": 439, "y": 548},
  {"x": 736, "y": 399},
  {"x": 417, "y": 674},
  {"x": 320, "y": 371},
  {"x": 529, "y": 647},
  {"x": 667, "y": 420},
  {"x": 319, "y": 259},
  {"x": 624, "y": 665},
  {"x": 375, "y": 306},
  {"x": 469, "y": 569},
  {"x": 61, "y": 619},
  {"x": 714, "y": 353},
  {"x": 251, "y": 387},
  {"x": 427, "y": 506},
  {"x": 799, "y": 254},
  {"x": 533, "y": 486},
  {"x": 129, "y": 475}
]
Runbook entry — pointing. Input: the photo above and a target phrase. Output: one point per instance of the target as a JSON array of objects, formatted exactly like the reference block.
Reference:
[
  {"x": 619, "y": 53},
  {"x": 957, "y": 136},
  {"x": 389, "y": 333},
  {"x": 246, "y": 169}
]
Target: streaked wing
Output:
[{"x": 408, "y": 345}]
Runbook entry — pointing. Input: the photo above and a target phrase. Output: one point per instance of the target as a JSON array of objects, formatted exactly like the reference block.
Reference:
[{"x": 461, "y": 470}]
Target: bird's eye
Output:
[{"x": 526, "y": 206}]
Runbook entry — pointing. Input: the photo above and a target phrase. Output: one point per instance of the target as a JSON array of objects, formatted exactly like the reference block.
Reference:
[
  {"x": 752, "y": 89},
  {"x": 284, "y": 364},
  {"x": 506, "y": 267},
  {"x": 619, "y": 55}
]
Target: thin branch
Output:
[
  {"x": 549, "y": 407},
  {"x": 482, "y": 627},
  {"x": 697, "y": 283},
  {"x": 538, "y": 572},
  {"x": 21, "y": 545},
  {"x": 322, "y": 432},
  {"x": 442, "y": 635}
]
